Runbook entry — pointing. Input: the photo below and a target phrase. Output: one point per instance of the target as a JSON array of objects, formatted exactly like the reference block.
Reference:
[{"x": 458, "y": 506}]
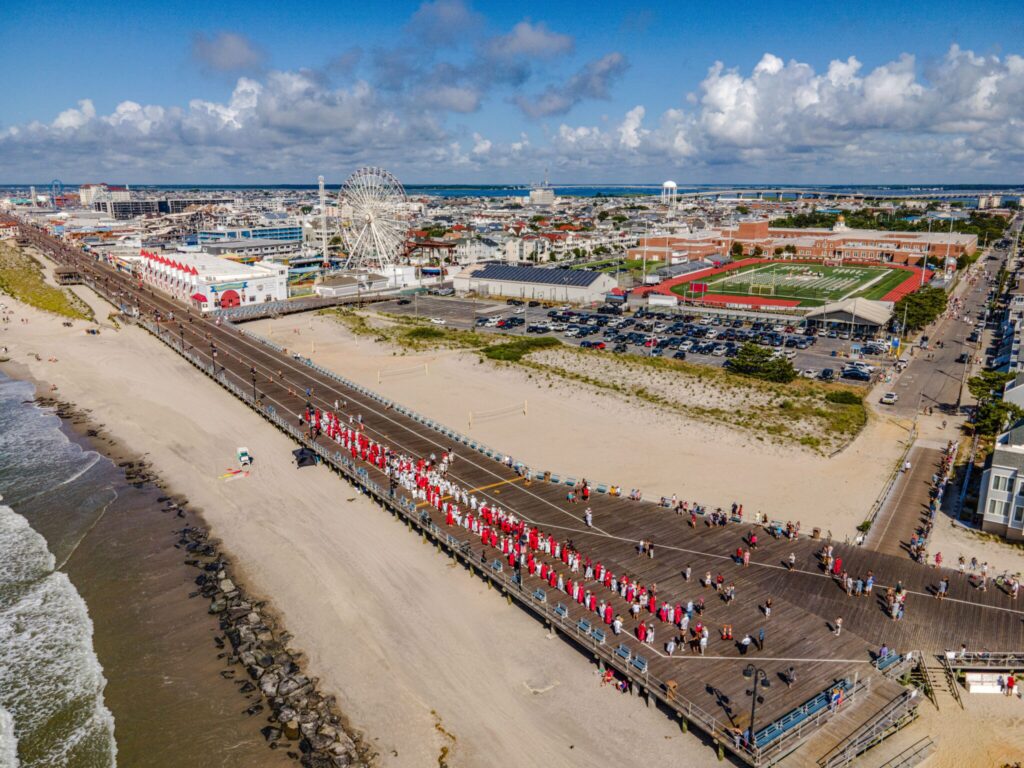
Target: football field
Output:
[{"x": 810, "y": 284}]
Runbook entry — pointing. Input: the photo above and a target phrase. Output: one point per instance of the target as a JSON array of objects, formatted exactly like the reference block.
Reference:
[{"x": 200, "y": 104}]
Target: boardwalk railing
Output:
[
  {"x": 912, "y": 755},
  {"x": 896, "y": 714},
  {"x": 629, "y": 665},
  {"x": 890, "y": 483},
  {"x": 1009, "y": 661}
]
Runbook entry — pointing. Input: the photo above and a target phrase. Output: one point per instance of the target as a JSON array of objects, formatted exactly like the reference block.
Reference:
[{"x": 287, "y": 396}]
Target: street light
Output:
[
  {"x": 760, "y": 677},
  {"x": 252, "y": 372}
]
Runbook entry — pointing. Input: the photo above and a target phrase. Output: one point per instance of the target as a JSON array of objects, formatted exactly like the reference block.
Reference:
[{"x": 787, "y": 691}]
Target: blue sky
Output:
[{"x": 451, "y": 91}]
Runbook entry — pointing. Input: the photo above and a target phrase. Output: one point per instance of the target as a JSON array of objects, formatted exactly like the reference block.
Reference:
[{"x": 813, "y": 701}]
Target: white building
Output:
[
  {"x": 577, "y": 286},
  {"x": 1001, "y": 501},
  {"x": 210, "y": 283},
  {"x": 470, "y": 250}
]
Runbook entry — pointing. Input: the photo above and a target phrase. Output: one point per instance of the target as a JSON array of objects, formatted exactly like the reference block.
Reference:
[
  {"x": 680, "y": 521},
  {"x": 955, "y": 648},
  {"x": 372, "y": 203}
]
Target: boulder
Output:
[
  {"x": 270, "y": 733},
  {"x": 291, "y": 730},
  {"x": 269, "y": 683}
]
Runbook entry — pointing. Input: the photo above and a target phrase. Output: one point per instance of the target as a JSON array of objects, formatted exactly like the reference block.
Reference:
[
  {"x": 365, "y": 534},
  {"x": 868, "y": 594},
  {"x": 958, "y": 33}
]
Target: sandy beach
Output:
[
  {"x": 605, "y": 437},
  {"x": 423, "y": 658}
]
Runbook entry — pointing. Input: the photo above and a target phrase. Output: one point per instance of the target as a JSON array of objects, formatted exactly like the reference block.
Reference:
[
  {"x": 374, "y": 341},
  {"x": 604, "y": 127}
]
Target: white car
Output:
[
  {"x": 438, "y": 320},
  {"x": 518, "y": 311},
  {"x": 889, "y": 398},
  {"x": 809, "y": 373}
]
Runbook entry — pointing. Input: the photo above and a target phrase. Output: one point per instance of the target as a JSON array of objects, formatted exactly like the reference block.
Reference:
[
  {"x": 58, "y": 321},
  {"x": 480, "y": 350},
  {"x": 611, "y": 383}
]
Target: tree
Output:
[
  {"x": 762, "y": 363},
  {"x": 778, "y": 251},
  {"x": 602, "y": 215},
  {"x": 921, "y": 308},
  {"x": 742, "y": 209},
  {"x": 988, "y": 385},
  {"x": 736, "y": 250},
  {"x": 790, "y": 249},
  {"x": 307, "y": 209},
  {"x": 758, "y": 250},
  {"x": 992, "y": 414}
]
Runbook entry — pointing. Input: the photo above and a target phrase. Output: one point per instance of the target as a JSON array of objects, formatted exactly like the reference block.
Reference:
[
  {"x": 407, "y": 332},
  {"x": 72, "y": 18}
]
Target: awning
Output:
[{"x": 198, "y": 297}]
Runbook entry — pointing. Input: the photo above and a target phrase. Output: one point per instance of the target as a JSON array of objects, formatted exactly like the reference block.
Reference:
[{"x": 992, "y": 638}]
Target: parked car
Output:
[
  {"x": 438, "y": 320},
  {"x": 809, "y": 373},
  {"x": 827, "y": 374},
  {"x": 855, "y": 374},
  {"x": 889, "y": 398}
]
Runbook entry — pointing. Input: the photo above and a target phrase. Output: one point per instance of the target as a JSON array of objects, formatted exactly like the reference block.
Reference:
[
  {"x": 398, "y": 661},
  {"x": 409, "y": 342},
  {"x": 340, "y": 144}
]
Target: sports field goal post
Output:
[
  {"x": 833, "y": 262},
  {"x": 762, "y": 289}
]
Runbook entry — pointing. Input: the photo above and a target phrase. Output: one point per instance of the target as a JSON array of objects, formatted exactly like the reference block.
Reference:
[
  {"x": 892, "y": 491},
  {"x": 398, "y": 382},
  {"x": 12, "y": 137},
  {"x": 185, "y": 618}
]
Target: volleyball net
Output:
[
  {"x": 411, "y": 370},
  {"x": 476, "y": 417}
]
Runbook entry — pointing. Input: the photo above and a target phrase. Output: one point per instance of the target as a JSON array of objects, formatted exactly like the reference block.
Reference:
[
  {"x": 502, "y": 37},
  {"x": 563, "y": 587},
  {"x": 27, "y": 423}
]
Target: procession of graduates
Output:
[{"x": 524, "y": 548}]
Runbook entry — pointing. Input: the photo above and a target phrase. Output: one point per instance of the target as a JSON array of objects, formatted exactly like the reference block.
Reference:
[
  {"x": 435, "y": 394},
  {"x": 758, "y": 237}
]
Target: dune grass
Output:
[{"x": 21, "y": 278}]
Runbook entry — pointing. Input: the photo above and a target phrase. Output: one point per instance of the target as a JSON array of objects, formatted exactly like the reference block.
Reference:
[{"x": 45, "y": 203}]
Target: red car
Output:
[{"x": 599, "y": 345}]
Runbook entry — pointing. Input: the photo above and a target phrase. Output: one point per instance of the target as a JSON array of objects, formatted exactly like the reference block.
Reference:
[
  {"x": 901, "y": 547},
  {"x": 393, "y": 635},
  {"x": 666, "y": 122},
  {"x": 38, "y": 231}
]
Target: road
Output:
[{"x": 933, "y": 378}]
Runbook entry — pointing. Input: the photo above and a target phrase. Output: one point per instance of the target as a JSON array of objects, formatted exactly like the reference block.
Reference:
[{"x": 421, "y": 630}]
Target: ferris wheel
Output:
[{"x": 375, "y": 232}]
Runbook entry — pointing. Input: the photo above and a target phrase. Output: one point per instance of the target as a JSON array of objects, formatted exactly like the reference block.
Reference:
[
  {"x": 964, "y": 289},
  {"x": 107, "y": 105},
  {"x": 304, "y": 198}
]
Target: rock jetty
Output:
[{"x": 301, "y": 719}]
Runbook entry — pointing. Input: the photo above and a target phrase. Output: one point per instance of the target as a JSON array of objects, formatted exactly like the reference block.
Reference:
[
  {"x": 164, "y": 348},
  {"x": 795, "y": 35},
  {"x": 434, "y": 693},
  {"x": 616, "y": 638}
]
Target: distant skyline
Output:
[{"x": 453, "y": 92}]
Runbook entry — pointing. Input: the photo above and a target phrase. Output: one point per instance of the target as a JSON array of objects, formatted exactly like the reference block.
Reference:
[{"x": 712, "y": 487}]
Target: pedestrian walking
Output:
[
  {"x": 838, "y": 626},
  {"x": 760, "y": 639},
  {"x": 790, "y": 677}
]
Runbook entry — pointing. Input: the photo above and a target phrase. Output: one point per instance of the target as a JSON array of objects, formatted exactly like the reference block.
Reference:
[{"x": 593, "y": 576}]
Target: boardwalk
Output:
[
  {"x": 907, "y": 507},
  {"x": 708, "y": 690}
]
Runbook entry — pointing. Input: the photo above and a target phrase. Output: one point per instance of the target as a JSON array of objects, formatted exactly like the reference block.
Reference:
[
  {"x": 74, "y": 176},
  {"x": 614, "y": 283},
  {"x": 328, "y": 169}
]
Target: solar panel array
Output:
[{"x": 572, "y": 277}]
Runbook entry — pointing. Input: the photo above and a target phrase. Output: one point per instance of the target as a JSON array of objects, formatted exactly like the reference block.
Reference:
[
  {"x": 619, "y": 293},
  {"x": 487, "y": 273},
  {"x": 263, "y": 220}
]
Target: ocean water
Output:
[{"x": 52, "y": 709}]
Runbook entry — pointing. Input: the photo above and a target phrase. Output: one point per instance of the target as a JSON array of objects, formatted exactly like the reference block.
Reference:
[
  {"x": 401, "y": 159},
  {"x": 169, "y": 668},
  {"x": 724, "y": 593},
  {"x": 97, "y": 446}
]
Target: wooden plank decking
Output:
[{"x": 806, "y": 600}]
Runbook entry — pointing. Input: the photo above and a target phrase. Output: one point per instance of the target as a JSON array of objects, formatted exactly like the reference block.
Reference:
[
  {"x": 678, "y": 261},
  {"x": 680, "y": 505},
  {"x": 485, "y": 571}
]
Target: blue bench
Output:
[
  {"x": 623, "y": 652},
  {"x": 640, "y": 663},
  {"x": 555, "y": 479},
  {"x": 497, "y": 566},
  {"x": 792, "y": 719},
  {"x": 601, "y": 488},
  {"x": 561, "y": 611},
  {"x": 570, "y": 481},
  {"x": 540, "y": 595},
  {"x": 599, "y": 635},
  {"x": 891, "y": 660},
  {"x": 583, "y": 626}
]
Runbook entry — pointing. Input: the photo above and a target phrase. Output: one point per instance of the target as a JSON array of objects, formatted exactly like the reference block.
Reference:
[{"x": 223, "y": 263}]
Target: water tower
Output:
[{"x": 668, "y": 193}]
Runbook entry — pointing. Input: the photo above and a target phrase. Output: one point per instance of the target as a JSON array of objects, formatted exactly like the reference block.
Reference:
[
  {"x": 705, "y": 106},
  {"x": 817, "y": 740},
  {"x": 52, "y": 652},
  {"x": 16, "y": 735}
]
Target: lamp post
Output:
[
  {"x": 181, "y": 336},
  {"x": 760, "y": 677},
  {"x": 213, "y": 358},
  {"x": 252, "y": 372}
]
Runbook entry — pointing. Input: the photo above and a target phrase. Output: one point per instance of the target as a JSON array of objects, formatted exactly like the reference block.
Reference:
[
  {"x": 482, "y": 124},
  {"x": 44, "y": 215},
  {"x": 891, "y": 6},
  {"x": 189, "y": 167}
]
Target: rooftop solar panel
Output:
[{"x": 573, "y": 277}]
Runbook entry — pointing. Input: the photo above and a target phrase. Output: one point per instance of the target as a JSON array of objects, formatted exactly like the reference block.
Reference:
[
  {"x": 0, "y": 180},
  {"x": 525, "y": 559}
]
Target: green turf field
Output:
[{"x": 810, "y": 284}]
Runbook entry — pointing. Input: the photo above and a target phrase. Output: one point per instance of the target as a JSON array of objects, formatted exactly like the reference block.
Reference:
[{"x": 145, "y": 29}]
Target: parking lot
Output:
[{"x": 703, "y": 339}]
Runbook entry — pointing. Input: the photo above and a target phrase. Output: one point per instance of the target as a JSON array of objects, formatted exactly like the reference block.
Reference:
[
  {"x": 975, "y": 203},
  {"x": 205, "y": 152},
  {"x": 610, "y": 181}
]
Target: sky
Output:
[{"x": 455, "y": 91}]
